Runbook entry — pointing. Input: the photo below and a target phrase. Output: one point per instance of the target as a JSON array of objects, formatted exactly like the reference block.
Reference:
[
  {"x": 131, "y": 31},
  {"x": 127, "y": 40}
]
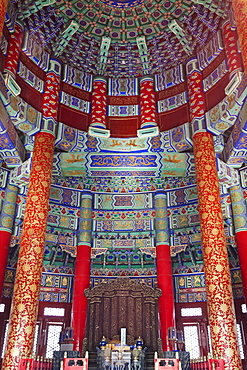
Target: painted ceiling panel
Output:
[
  {"x": 75, "y": 32},
  {"x": 124, "y": 164}
]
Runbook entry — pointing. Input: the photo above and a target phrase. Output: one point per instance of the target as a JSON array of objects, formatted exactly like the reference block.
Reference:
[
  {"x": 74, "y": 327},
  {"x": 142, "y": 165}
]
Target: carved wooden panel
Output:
[{"x": 122, "y": 303}]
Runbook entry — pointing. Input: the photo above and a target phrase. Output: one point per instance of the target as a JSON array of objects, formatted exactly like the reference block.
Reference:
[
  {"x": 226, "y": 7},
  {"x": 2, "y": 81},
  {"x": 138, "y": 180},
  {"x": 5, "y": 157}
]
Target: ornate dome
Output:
[{"x": 122, "y": 38}]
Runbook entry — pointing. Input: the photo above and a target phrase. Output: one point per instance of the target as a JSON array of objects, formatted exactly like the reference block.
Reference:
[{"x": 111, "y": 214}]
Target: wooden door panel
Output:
[{"x": 122, "y": 303}]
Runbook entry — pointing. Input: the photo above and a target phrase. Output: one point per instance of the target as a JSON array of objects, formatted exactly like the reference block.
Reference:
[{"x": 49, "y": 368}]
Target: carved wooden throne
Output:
[{"x": 122, "y": 303}]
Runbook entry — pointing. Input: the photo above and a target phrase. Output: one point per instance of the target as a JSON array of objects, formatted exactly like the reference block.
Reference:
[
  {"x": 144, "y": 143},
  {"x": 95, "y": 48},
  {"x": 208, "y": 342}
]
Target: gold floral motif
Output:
[
  {"x": 28, "y": 329},
  {"x": 229, "y": 352},
  {"x": 25, "y": 267},
  {"x": 240, "y": 12},
  {"x": 33, "y": 287},
  {"x": 215, "y": 231},
  {"x": 20, "y": 307},
  {"x": 216, "y": 329},
  {"x": 217, "y": 273},
  {"x": 211, "y": 198},
  {"x": 211, "y": 287},
  {"x": 224, "y": 307},
  {"x": 219, "y": 268},
  {"x": 28, "y": 275},
  {"x": 14, "y": 352}
]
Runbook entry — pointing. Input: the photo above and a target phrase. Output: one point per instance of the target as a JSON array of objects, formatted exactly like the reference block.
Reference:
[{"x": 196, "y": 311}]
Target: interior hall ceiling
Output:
[{"x": 122, "y": 38}]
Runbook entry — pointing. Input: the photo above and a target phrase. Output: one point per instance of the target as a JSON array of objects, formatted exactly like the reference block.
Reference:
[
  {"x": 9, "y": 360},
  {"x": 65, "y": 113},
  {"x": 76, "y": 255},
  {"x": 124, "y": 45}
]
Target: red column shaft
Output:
[
  {"x": 3, "y": 7},
  {"x": 241, "y": 239},
  {"x": 147, "y": 102},
  {"x": 165, "y": 283},
  {"x": 79, "y": 305},
  {"x": 239, "y": 212},
  {"x": 98, "y": 110},
  {"x": 216, "y": 267},
  {"x": 232, "y": 54},
  {"x": 240, "y": 13},
  {"x": 14, "y": 47},
  {"x": 6, "y": 226},
  {"x": 26, "y": 293},
  {"x": 28, "y": 274},
  {"x": 5, "y": 237}
]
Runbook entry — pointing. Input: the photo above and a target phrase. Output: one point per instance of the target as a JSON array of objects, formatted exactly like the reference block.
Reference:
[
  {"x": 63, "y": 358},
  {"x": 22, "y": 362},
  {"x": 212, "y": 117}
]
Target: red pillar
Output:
[
  {"x": 82, "y": 272},
  {"x": 230, "y": 42},
  {"x": 165, "y": 283},
  {"x": 26, "y": 293},
  {"x": 6, "y": 225},
  {"x": 3, "y": 7},
  {"x": 28, "y": 274},
  {"x": 79, "y": 305},
  {"x": 98, "y": 110},
  {"x": 164, "y": 269},
  {"x": 239, "y": 212},
  {"x": 221, "y": 314},
  {"x": 240, "y": 13},
  {"x": 147, "y": 103},
  {"x": 5, "y": 237},
  {"x": 241, "y": 239},
  {"x": 14, "y": 47}
]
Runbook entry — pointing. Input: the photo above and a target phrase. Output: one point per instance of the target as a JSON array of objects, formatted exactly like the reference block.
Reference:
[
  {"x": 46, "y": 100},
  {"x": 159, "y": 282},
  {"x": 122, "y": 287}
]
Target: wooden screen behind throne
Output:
[{"x": 122, "y": 303}]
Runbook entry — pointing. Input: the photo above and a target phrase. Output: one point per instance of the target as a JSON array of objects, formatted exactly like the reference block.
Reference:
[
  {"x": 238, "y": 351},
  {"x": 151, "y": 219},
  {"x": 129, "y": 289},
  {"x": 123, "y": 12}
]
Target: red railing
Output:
[
  {"x": 216, "y": 364},
  {"x": 166, "y": 364},
  {"x": 210, "y": 364},
  {"x": 37, "y": 363},
  {"x": 75, "y": 363}
]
